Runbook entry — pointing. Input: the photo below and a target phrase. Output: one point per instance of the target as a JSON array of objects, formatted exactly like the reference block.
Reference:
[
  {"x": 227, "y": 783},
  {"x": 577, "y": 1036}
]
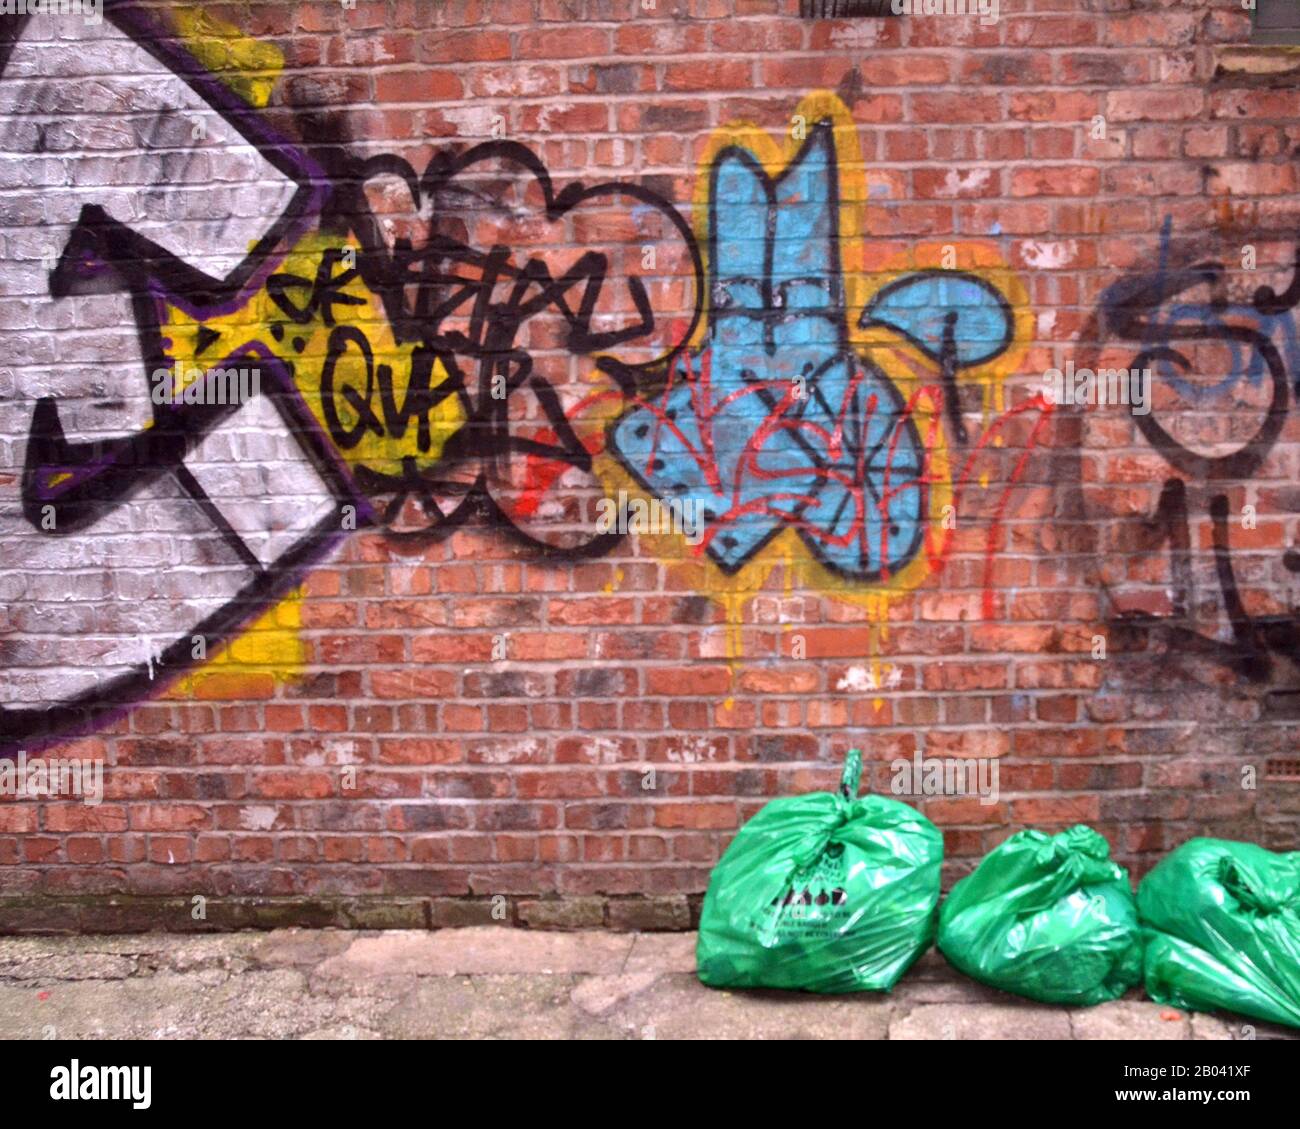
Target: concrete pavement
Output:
[{"x": 498, "y": 982}]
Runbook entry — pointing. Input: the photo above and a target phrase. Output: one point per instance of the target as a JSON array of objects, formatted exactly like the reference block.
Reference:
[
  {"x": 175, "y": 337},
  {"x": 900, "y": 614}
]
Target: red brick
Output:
[
  {"x": 422, "y": 84},
  {"x": 695, "y": 815},
  {"x": 471, "y": 716},
  {"x": 1055, "y": 180}
]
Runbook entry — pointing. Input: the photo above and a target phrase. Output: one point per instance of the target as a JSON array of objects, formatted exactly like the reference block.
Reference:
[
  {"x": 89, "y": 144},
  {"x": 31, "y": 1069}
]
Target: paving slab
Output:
[
  {"x": 1212, "y": 1027},
  {"x": 490, "y": 1007},
  {"x": 598, "y": 994},
  {"x": 299, "y": 947},
  {"x": 43, "y": 968},
  {"x": 952, "y": 989},
  {"x": 1130, "y": 1019},
  {"x": 662, "y": 952},
  {"x": 982, "y": 1021},
  {"x": 678, "y": 1006},
  {"x": 480, "y": 950}
]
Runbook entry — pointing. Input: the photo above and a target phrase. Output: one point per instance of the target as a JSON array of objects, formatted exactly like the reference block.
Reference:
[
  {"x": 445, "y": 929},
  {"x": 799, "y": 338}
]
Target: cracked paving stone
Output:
[
  {"x": 1212, "y": 1027},
  {"x": 51, "y": 968},
  {"x": 387, "y": 989},
  {"x": 295, "y": 947},
  {"x": 662, "y": 952},
  {"x": 342, "y": 1032},
  {"x": 951, "y": 991},
  {"x": 143, "y": 1007},
  {"x": 184, "y": 953},
  {"x": 273, "y": 1005},
  {"x": 597, "y": 994},
  {"x": 493, "y": 982},
  {"x": 128, "y": 945}
]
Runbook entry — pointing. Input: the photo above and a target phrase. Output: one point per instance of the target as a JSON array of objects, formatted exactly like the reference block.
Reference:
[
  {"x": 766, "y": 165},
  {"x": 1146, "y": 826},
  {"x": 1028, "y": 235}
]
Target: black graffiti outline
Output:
[
  {"x": 1254, "y": 637},
  {"x": 1126, "y": 307},
  {"x": 485, "y": 439},
  {"x": 148, "y": 272},
  {"x": 947, "y": 357},
  {"x": 1126, "y": 310}
]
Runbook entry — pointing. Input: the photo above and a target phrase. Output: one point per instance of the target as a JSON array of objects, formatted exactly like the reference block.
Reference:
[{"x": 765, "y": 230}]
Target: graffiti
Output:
[
  {"x": 469, "y": 342},
  {"x": 1133, "y": 311},
  {"x": 956, "y": 319},
  {"x": 468, "y": 308},
  {"x": 821, "y": 403},
  {"x": 133, "y": 505},
  {"x": 1210, "y": 354},
  {"x": 777, "y": 422},
  {"x": 1253, "y": 637}
]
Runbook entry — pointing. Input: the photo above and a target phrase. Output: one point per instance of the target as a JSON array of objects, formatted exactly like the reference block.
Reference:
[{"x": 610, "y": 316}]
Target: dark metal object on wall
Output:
[{"x": 844, "y": 9}]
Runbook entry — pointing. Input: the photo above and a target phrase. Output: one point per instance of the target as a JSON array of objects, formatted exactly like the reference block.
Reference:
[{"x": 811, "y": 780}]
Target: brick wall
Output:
[{"x": 360, "y": 643}]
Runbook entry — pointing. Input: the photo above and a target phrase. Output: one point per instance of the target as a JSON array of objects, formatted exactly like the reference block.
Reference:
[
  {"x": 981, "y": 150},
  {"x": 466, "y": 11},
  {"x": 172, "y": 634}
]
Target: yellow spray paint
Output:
[
  {"x": 305, "y": 347},
  {"x": 250, "y": 67},
  {"x": 270, "y": 648}
]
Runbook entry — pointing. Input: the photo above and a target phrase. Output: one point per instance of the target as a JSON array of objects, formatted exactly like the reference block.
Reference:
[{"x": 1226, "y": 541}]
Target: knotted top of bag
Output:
[
  {"x": 1081, "y": 852},
  {"x": 1260, "y": 885},
  {"x": 819, "y": 819},
  {"x": 845, "y": 797}
]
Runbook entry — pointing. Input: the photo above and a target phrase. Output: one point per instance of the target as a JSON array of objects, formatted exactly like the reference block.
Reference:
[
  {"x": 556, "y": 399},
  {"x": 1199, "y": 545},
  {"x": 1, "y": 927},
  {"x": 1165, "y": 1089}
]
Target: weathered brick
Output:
[{"x": 431, "y": 721}]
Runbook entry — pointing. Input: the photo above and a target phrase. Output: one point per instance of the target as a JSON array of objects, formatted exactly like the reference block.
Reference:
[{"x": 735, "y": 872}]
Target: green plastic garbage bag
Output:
[
  {"x": 1222, "y": 925},
  {"x": 824, "y": 893},
  {"x": 1049, "y": 917}
]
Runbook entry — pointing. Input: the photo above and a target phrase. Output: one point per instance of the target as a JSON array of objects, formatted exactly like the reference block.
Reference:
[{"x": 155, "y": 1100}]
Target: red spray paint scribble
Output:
[
  {"x": 541, "y": 474},
  {"x": 774, "y": 421},
  {"x": 1044, "y": 408}
]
